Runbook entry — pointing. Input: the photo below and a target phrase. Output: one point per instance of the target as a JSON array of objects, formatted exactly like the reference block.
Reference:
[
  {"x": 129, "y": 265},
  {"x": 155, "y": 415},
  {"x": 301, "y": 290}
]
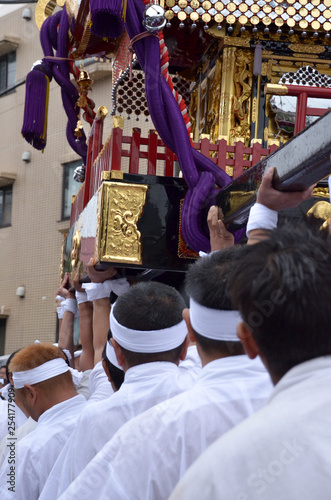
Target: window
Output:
[
  {"x": 7, "y": 70},
  {"x": 70, "y": 187},
  {"x": 5, "y": 205},
  {"x": 2, "y": 335}
]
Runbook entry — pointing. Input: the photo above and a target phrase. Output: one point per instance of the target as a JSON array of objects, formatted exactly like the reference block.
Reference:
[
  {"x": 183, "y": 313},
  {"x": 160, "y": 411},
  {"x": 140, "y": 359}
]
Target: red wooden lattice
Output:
[{"x": 118, "y": 146}]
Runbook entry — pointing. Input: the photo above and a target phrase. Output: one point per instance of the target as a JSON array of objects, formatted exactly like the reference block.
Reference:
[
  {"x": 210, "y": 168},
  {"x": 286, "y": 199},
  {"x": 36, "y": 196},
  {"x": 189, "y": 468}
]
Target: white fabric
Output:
[
  {"x": 60, "y": 312},
  {"x": 151, "y": 341},
  {"x": 191, "y": 365},
  {"x": 68, "y": 353},
  {"x": 17, "y": 417},
  {"x": 4, "y": 391},
  {"x": 261, "y": 217},
  {"x": 37, "y": 451},
  {"x": 60, "y": 298},
  {"x": 282, "y": 452},
  {"x": 214, "y": 323},
  {"x": 100, "y": 387},
  {"x": 204, "y": 254},
  {"x": 81, "y": 297},
  {"x": 21, "y": 431},
  {"x": 110, "y": 353},
  {"x": 42, "y": 372},
  {"x": 144, "y": 386},
  {"x": 78, "y": 353},
  {"x": 69, "y": 305},
  {"x": 76, "y": 376},
  {"x": 148, "y": 455},
  {"x": 84, "y": 385},
  {"x": 97, "y": 291}
]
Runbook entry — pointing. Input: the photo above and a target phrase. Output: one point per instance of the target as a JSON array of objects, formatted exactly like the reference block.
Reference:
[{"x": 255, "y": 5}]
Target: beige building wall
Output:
[{"x": 30, "y": 248}]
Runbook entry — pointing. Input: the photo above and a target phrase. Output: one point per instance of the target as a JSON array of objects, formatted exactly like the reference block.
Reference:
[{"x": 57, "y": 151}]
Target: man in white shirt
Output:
[
  {"x": 149, "y": 336},
  {"x": 148, "y": 455},
  {"x": 44, "y": 383},
  {"x": 282, "y": 289}
]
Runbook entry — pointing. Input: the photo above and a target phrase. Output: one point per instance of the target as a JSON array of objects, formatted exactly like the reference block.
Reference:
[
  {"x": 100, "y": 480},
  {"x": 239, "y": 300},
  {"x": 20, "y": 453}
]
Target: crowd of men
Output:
[{"x": 225, "y": 397}]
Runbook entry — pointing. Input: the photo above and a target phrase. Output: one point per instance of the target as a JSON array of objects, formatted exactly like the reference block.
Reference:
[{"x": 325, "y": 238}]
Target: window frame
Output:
[
  {"x": 4, "y": 189},
  {"x": 5, "y": 58},
  {"x": 3, "y": 323},
  {"x": 71, "y": 164}
]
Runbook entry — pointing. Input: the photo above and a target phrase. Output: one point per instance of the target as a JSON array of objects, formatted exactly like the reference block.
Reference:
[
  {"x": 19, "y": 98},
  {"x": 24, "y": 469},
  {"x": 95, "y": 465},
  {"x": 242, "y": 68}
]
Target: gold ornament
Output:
[
  {"x": 84, "y": 85},
  {"x": 84, "y": 81},
  {"x": 79, "y": 129}
]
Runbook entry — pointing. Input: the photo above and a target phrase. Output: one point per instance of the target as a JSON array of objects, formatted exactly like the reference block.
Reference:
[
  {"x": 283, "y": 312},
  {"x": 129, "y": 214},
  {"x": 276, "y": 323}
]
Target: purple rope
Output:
[
  {"x": 54, "y": 33},
  {"x": 200, "y": 173}
]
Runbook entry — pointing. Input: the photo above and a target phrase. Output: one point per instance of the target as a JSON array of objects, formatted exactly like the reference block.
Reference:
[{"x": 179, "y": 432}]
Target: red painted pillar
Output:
[
  {"x": 152, "y": 152},
  {"x": 116, "y": 143},
  {"x": 134, "y": 153},
  {"x": 169, "y": 162},
  {"x": 238, "y": 159},
  {"x": 300, "y": 118}
]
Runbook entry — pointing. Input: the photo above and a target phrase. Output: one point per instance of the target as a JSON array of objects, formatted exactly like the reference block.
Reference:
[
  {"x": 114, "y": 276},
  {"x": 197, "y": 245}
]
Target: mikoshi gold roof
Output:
[{"x": 292, "y": 14}]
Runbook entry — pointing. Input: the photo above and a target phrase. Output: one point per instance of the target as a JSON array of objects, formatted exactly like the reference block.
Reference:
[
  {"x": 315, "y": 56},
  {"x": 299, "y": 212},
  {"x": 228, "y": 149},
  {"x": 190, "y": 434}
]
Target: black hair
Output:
[
  {"x": 150, "y": 306},
  {"x": 282, "y": 287},
  {"x": 115, "y": 373},
  {"x": 8, "y": 363},
  {"x": 207, "y": 279},
  {"x": 207, "y": 284}
]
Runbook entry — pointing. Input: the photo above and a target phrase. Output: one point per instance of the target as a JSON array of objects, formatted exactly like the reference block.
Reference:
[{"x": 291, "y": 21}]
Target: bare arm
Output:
[
  {"x": 66, "y": 332},
  {"x": 86, "y": 360},
  {"x": 101, "y": 310}
]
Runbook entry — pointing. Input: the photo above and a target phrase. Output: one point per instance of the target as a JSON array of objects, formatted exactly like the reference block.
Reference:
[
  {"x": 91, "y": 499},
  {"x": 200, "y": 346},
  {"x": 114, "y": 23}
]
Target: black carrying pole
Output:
[{"x": 299, "y": 163}]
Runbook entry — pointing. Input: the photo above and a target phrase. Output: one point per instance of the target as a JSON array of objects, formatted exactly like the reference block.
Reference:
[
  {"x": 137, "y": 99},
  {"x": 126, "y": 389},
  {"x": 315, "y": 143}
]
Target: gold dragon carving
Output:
[
  {"x": 214, "y": 100},
  {"x": 119, "y": 237},
  {"x": 243, "y": 80}
]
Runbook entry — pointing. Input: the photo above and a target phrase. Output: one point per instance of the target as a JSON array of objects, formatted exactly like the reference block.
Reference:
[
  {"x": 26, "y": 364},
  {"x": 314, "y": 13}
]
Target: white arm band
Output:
[
  {"x": 70, "y": 305},
  {"x": 97, "y": 291},
  {"x": 261, "y": 217},
  {"x": 60, "y": 311},
  {"x": 81, "y": 297},
  {"x": 68, "y": 353}
]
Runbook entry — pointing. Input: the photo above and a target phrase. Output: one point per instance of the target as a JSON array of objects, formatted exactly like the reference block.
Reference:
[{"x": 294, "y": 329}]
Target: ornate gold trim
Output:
[
  {"x": 61, "y": 271},
  {"x": 321, "y": 192},
  {"x": 254, "y": 105},
  {"x": 44, "y": 9},
  {"x": 275, "y": 89},
  {"x": 75, "y": 251},
  {"x": 120, "y": 206},
  {"x": 107, "y": 175},
  {"x": 307, "y": 49},
  {"x": 118, "y": 122},
  {"x": 236, "y": 42}
]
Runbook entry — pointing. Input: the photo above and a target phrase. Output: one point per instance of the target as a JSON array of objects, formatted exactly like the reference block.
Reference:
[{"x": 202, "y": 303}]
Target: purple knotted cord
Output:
[
  {"x": 201, "y": 174},
  {"x": 107, "y": 17},
  {"x": 54, "y": 34}
]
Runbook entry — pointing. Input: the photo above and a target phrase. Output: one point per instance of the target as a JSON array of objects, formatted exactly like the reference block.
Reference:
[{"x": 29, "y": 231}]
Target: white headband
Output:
[
  {"x": 43, "y": 372},
  {"x": 148, "y": 341},
  {"x": 214, "y": 323},
  {"x": 111, "y": 356}
]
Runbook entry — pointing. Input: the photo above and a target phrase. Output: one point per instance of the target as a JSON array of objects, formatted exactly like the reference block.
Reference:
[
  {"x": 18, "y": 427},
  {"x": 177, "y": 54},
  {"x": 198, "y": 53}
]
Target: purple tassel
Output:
[
  {"x": 108, "y": 17},
  {"x": 34, "y": 129}
]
